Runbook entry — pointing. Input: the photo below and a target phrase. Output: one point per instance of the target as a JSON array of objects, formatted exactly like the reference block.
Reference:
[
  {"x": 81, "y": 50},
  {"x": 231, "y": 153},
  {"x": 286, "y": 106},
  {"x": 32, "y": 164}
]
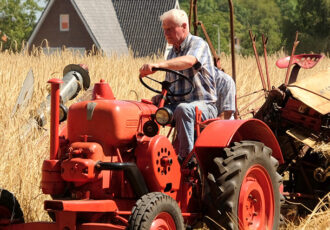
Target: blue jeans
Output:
[{"x": 184, "y": 116}]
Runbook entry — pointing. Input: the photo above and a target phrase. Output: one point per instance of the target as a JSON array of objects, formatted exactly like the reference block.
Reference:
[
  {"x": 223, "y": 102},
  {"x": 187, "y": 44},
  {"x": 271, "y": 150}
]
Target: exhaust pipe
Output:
[
  {"x": 75, "y": 77},
  {"x": 55, "y": 111}
]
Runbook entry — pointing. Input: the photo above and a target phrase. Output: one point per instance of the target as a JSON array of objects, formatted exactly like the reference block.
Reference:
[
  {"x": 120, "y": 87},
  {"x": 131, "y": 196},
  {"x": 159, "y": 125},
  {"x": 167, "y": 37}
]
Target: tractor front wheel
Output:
[
  {"x": 10, "y": 210},
  {"x": 245, "y": 187},
  {"x": 156, "y": 211}
]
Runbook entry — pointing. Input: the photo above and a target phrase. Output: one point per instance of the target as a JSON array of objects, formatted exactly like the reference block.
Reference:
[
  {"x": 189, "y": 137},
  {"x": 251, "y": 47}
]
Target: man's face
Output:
[{"x": 174, "y": 33}]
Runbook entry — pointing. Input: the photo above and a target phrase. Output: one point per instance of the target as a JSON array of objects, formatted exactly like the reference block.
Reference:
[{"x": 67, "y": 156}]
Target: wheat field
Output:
[{"x": 21, "y": 156}]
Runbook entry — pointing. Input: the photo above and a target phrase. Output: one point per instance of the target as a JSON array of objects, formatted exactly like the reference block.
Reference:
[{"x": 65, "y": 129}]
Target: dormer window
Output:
[{"x": 64, "y": 22}]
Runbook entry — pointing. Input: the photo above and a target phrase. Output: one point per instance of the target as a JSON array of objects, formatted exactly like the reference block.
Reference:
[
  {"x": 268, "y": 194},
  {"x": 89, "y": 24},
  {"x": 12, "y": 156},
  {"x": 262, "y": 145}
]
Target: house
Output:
[{"x": 110, "y": 26}]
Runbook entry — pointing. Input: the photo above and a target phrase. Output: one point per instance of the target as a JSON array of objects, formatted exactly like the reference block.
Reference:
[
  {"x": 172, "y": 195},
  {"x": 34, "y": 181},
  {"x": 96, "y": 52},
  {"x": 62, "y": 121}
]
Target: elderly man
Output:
[{"x": 190, "y": 55}]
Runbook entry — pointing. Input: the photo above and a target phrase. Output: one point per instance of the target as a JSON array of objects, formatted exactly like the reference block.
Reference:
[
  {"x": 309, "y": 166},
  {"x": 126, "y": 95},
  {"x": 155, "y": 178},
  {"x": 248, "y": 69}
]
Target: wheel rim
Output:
[
  {"x": 163, "y": 221},
  {"x": 256, "y": 200},
  {"x": 5, "y": 215}
]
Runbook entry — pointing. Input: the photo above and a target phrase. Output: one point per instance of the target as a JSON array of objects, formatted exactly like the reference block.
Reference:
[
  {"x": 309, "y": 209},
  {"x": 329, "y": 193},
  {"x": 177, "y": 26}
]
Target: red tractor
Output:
[{"x": 109, "y": 168}]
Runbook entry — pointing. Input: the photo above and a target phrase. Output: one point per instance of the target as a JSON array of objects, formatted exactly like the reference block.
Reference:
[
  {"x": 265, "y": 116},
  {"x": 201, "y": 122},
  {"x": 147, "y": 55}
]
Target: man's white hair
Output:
[{"x": 178, "y": 16}]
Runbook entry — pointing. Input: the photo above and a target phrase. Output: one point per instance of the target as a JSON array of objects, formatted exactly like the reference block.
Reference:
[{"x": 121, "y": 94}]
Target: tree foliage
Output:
[
  {"x": 261, "y": 17},
  {"x": 276, "y": 19},
  {"x": 311, "y": 19},
  {"x": 17, "y": 19}
]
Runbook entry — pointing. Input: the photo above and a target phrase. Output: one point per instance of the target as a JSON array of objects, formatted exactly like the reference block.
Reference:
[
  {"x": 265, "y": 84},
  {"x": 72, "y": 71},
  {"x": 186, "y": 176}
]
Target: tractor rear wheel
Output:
[
  {"x": 245, "y": 187},
  {"x": 156, "y": 211},
  {"x": 10, "y": 210}
]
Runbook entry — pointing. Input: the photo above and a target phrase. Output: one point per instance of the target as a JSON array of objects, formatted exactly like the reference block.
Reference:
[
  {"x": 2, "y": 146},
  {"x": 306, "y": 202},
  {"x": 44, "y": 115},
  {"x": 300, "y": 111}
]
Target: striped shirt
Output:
[{"x": 203, "y": 78}]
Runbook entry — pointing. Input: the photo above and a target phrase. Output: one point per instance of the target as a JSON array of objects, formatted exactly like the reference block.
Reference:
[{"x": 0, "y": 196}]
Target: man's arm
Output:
[{"x": 178, "y": 63}]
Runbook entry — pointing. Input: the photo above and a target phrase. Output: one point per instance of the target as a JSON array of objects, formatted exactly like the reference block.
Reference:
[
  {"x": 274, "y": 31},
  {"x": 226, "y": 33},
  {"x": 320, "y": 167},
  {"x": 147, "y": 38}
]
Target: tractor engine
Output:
[{"x": 96, "y": 157}]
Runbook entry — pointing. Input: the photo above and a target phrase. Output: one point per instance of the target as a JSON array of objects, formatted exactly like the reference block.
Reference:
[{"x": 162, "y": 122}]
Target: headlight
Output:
[
  {"x": 150, "y": 128},
  {"x": 164, "y": 116}
]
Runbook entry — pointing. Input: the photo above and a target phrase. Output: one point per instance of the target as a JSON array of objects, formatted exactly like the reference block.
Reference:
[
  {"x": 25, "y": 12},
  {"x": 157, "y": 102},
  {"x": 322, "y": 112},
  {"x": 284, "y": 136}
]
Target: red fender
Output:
[{"x": 219, "y": 134}]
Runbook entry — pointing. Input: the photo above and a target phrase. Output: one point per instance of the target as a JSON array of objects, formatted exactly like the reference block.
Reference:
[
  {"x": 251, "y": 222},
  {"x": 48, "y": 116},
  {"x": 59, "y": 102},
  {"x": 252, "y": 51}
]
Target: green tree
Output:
[
  {"x": 277, "y": 19},
  {"x": 204, "y": 6},
  {"x": 261, "y": 17},
  {"x": 211, "y": 21},
  {"x": 213, "y": 13},
  {"x": 17, "y": 20},
  {"x": 288, "y": 10},
  {"x": 311, "y": 19}
]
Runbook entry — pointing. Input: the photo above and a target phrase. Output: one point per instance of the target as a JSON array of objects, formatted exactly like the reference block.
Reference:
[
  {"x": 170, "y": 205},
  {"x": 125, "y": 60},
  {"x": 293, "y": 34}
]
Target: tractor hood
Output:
[
  {"x": 314, "y": 91},
  {"x": 109, "y": 122}
]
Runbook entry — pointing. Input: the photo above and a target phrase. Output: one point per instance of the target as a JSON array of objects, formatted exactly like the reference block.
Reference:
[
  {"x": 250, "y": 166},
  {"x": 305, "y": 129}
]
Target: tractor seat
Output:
[{"x": 306, "y": 61}]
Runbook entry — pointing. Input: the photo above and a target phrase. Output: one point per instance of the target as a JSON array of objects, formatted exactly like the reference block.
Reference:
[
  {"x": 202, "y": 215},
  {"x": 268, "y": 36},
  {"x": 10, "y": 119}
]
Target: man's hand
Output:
[{"x": 146, "y": 69}]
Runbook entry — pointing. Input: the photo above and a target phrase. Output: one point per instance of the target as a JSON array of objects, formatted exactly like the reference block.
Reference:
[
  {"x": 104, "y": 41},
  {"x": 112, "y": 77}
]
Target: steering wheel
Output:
[{"x": 166, "y": 84}]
